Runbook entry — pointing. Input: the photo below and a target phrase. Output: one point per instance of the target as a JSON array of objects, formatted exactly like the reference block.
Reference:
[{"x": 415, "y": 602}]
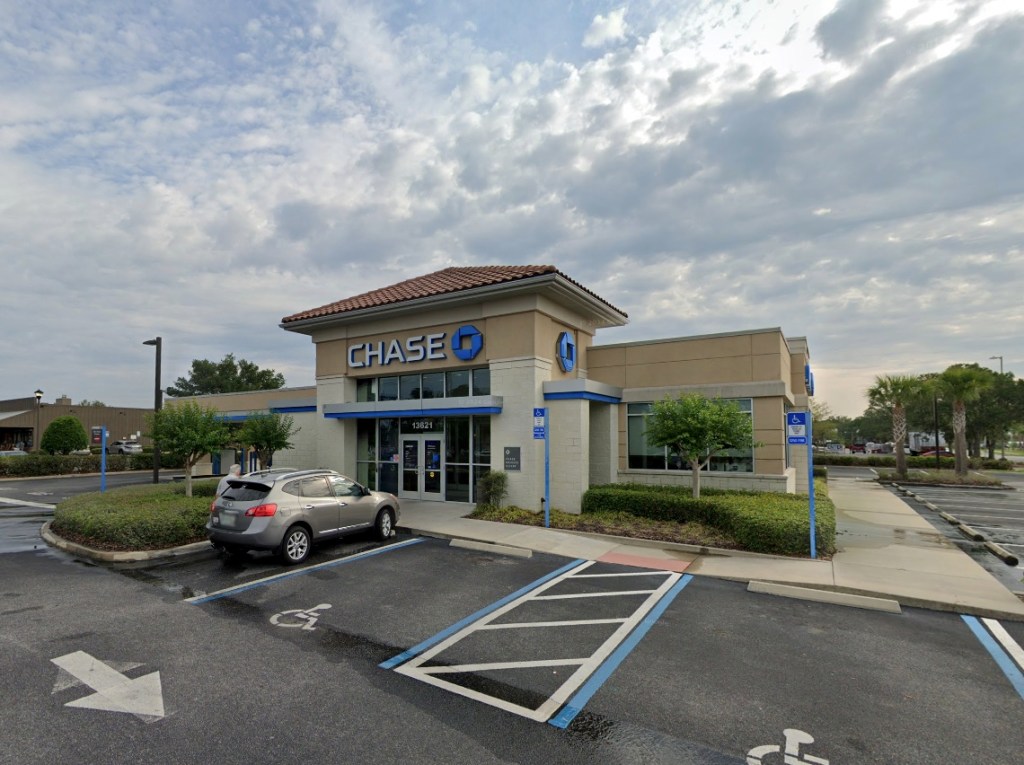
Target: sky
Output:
[{"x": 852, "y": 172}]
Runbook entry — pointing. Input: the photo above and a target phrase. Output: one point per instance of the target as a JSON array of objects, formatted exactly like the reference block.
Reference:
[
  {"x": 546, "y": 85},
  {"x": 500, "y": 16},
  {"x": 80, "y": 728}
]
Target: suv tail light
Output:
[
  {"x": 262, "y": 511},
  {"x": 213, "y": 507}
]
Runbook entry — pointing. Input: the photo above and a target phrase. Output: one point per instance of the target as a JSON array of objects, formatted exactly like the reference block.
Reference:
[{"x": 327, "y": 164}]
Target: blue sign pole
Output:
[
  {"x": 547, "y": 471},
  {"x": 810, "y": 478},
  {"x": 798, "y": 432},
  {"x": 103, "y": 459}
]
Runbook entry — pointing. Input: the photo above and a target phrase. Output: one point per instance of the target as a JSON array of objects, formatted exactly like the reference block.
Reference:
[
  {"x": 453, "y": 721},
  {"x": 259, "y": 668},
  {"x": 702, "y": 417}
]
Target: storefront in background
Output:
[{"x": 425, "y": 385}]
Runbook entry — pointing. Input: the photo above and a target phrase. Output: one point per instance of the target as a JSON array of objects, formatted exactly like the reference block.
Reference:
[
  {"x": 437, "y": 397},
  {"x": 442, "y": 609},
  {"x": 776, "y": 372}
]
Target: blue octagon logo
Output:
[
  {"x": 566, "y": 352},
  {"x": 467, "y": 342}
]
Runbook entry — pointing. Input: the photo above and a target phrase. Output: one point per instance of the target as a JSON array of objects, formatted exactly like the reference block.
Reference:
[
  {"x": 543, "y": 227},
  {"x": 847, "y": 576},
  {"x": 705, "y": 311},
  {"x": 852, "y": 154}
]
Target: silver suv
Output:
[
  {"x": 288, "y": 510},
  {"x": 125, "y": 447}
]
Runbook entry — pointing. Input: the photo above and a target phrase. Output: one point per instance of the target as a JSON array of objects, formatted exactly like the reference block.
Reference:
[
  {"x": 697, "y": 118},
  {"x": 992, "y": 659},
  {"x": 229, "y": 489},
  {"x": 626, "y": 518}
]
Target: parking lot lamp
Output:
[
  {"x": 35, "y": 433},
  {"x": 935, "y": 411},
  {"x": 158, "y": 401}
]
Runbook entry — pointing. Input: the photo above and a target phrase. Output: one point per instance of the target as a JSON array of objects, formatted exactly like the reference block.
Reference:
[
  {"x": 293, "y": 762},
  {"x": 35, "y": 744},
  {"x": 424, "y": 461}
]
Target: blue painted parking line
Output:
[
  {"x": 199, "y": 599},
  {"x": 996, "y": 650},
  {"x": 421, "y": 647},
  {"x": 575, "y": 705}
]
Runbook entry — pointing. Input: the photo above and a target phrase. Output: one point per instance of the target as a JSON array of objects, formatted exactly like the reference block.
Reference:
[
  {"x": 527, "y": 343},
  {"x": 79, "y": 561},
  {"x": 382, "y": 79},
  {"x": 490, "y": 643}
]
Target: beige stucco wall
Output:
[{"x": 755, "y": 364}]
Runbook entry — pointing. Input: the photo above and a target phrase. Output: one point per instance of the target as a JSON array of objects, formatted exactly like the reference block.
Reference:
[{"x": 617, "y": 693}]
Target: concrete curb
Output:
[
  {"x": 826, "y": 596},
  {"x": 110, "y": 556},
  {"x": 470, "y": 544}
]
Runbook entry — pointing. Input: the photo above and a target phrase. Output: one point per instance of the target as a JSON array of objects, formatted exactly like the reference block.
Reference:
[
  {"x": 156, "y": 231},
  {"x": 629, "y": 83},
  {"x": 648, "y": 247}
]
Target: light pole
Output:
[
  {"x": 35, "y": 433},
  {"x": 158, "y": 401},
  {"x": 1002, "y": 441}
]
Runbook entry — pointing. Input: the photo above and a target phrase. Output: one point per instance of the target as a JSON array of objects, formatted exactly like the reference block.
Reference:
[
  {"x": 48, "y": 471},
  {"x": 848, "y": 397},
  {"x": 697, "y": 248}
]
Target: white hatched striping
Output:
[
  {"x": 595, "y": 595},
  {"x": 586, "y": 666},
  {"x": 574, "y": 622}
]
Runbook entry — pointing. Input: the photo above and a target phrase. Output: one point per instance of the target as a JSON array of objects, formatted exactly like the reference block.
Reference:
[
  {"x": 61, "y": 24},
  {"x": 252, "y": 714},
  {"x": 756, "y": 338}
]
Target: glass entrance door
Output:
[{"x": 422, "y": 468}]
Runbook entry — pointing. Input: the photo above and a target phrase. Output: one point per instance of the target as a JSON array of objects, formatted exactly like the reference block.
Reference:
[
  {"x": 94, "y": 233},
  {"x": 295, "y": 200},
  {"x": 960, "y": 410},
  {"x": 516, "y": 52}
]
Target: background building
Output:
[{"x": 20, "y": 418}]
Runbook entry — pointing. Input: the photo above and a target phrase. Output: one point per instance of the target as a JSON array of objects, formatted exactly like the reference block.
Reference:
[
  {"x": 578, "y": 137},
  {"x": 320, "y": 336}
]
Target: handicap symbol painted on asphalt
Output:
[
  {"x": 296, "y": 617},
  {"x": 794, "y": 740}
]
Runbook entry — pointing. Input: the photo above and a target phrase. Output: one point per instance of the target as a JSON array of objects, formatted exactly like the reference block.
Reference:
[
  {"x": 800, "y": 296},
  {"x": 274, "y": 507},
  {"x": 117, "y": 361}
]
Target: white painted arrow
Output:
[{"x": 142, "y": 696}]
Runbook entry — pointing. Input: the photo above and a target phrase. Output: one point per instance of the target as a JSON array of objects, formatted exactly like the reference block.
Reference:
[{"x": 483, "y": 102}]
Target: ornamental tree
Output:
[
  {"x": 697, "y": 428},
  {"x": 64, "y": 435},
  {"x": 266, "y": 433},
  {"x": 189, "y": 431}
]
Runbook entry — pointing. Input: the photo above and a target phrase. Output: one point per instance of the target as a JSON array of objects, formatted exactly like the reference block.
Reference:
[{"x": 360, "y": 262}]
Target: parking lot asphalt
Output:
[
  {"x": 263, "y": 663},
  {"x": 606, "y": 663}
]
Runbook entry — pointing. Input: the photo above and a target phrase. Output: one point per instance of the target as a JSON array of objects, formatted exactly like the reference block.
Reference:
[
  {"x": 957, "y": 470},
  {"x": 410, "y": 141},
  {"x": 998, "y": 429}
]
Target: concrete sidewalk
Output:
[{"x": 885, "y": 550}]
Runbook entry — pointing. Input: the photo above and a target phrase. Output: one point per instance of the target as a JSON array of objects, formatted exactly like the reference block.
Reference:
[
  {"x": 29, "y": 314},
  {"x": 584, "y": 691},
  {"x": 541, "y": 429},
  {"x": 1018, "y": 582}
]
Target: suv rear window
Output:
[{"x": 245, "y": 492}]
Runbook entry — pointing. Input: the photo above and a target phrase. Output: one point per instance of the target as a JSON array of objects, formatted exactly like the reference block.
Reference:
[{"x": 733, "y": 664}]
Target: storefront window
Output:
[
  {"x": 409, "y": 387},
  {"x": 433, "y": 385},
  {"x": 457, "y": 383},
  {"x": 366, "y": 436},
  {"x": 366, "y": 390},
  {"x": 482, "y": 382},
  {"x": 457, "y": 440},
  {"x": 482, "y": 441},
  {"x": 387, "y": 389},
  {"x": 643, "y": 456},
  {"x": 388, "y": 440}
]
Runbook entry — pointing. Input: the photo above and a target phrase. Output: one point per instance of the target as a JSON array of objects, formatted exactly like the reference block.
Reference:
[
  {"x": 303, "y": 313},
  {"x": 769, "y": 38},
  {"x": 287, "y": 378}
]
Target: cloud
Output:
[
  {"x": 200, "y": 171},
  {"x": 606, "y": 29}
]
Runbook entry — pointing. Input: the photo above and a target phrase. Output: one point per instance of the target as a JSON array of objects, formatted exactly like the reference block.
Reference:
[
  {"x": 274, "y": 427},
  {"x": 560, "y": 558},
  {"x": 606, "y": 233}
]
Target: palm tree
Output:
[
  {"x": 962, "y": 383},
  {"x": 894, "y": 392}
]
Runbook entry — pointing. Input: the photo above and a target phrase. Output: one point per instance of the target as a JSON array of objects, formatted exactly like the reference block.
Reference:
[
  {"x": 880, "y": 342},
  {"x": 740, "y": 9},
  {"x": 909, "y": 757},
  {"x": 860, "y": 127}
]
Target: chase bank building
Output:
[{"x": 423, "y": 386}]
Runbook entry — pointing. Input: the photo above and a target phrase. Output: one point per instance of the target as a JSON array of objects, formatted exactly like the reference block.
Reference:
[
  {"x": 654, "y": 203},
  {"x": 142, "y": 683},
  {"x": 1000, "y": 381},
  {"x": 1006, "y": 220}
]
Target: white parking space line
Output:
[
  {"x": 587, "y": 666},
  {"x": 1009, "y": 644},
  {"x": 25, "y": 503},
  {"x": 228, "y": 591}
]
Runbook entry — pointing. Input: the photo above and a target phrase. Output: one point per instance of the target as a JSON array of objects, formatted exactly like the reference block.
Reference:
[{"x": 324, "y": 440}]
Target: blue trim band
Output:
[
  {"x": 421, "y": 647},
  {"x": 575, "y": 705},
  {"x": 576, "y": 395},
  {"x": 233, "y": 417},
  {"x": 290, "y": 574},
  {"x": 1010, "y": 669},
  {"x": 411, "y": 413},
  {"x": 293, "y": 409}
]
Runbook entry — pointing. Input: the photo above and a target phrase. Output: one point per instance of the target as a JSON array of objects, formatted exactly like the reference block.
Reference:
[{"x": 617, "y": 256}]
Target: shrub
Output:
[
  {"x": 63, "y": 435},
  {"x": 492, "y": 488},
  {"x": 133, "y": 518},
  {"x": 36, "y": 464},
  {"x": 765, "y": 522}
]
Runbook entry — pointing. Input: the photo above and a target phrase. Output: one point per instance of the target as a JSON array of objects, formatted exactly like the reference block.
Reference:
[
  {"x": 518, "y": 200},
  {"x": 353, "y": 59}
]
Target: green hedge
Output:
[
  {"x": 765, "y": 522},
  {"x": 136, "y": 517},
  {"x": 889, "y": 460},
  {"x": 37, "y": 464}
]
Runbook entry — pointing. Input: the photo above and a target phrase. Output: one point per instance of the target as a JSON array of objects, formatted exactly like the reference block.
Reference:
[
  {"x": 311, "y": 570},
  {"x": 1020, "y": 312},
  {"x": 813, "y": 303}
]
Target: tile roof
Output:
[{"x": 449, "y": 280}]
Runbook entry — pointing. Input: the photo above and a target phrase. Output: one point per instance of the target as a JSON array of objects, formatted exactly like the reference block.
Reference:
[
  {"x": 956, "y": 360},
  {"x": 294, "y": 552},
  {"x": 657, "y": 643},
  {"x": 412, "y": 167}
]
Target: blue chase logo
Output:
[
  {"x": 467, "y": 342},
  {"x": 565, "y": 352}
]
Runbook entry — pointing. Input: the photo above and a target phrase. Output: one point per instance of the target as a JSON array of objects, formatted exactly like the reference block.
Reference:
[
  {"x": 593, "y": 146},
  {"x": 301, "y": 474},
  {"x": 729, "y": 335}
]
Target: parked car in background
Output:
[
  {"x": 287, "y": 511},
  {"x": 125, "y": 447}
]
